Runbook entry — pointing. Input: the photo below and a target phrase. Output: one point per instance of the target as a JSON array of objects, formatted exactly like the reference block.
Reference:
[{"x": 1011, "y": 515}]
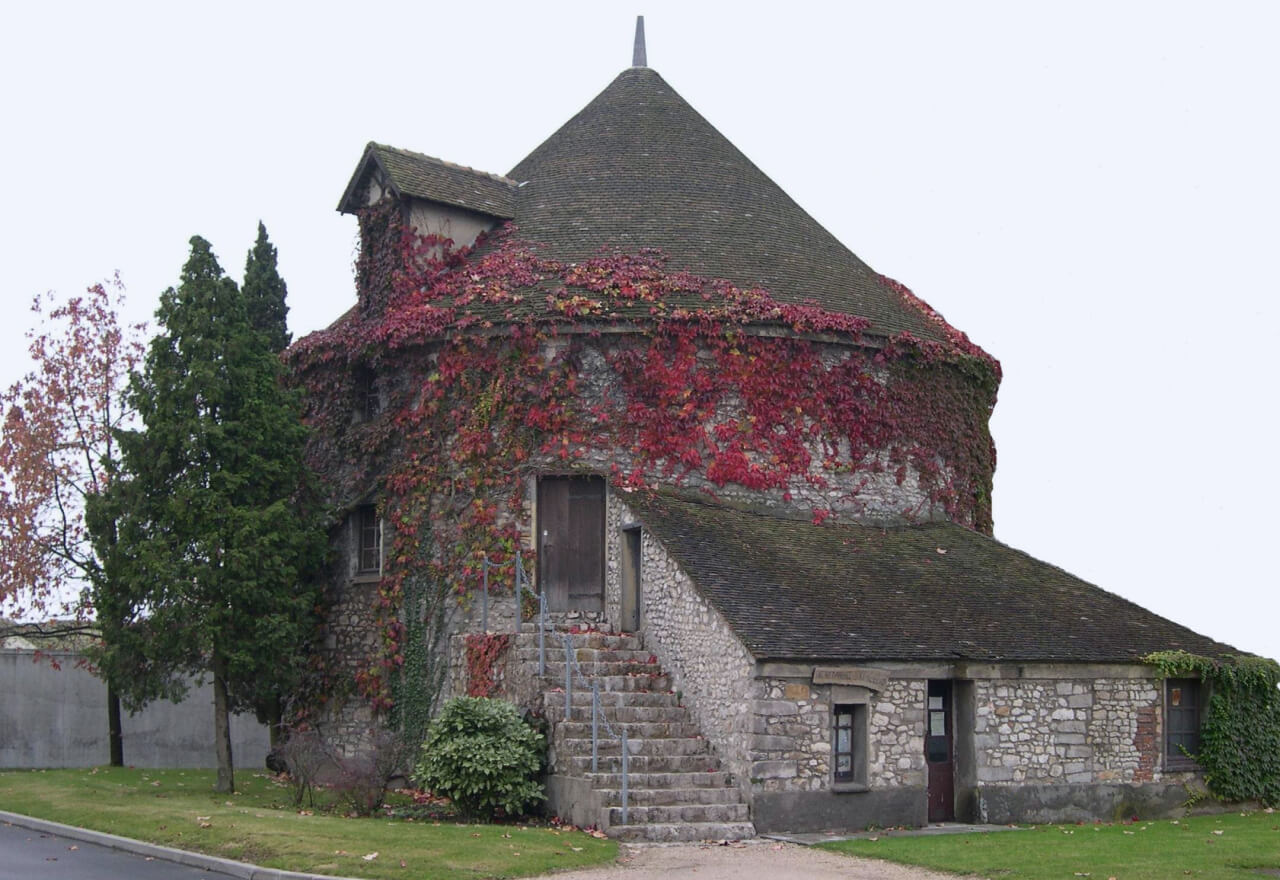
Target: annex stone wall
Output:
[
  {"x": 1068, "y": 731},
  {"x": 708, "y": 665},
  {"x": 791, "y": 749}
]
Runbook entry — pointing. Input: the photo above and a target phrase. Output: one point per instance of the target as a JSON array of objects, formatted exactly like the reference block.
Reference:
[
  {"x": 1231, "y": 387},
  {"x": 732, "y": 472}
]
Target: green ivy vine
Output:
[
  {"x": 417, "y": 667},
  {"x": 1240, "y": 735}
]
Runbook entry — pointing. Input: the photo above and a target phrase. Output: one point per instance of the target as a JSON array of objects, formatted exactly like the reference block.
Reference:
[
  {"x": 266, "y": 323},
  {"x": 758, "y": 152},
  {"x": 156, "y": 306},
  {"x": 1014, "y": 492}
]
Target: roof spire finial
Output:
[{"x": 637, "y": 56}]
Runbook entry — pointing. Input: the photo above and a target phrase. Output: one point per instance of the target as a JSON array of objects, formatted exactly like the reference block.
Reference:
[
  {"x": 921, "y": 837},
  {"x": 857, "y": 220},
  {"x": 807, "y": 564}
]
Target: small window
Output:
[
  {"x": 367, "y": 403},
  {"x": 369, "y": 540},
  {"x": 849, "y": 746},
  {"x": 1182, "y": 706}
]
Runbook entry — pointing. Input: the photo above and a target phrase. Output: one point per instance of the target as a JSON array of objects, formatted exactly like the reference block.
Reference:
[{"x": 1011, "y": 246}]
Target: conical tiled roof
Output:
[{"x": 638, "y": 167}]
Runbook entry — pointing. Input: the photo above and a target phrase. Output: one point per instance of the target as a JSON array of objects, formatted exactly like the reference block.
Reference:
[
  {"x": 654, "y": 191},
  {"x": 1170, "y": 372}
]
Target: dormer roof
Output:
[{"x": 414, "y": 175}]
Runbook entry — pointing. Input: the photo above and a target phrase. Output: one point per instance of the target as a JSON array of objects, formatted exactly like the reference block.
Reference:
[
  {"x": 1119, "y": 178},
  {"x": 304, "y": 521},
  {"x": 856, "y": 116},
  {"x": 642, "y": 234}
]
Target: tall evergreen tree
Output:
[
  {"x": 214, "y": 541},
  {"x": 265, "y": 292}
]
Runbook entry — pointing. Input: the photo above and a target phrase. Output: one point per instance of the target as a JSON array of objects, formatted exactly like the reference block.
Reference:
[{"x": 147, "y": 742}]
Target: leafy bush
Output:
[{"x": 483, "y": 757}]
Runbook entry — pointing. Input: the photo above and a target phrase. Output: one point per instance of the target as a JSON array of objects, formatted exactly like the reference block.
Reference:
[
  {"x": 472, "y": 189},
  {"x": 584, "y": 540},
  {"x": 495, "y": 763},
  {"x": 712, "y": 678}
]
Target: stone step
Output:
[
  {"x": 683, "y": 832},
  {"x": 608, "y": 699},
  {"x": 635, "y": 730},
  {"x": 555, "y": 654},
  {"x": 598, "y": 640},
  {"x": 670, "y": 797},
  {"x": 580, "y": 764},
  {"x": 592, "y": 669},
  {"x": 590, "y": 655},
  {"x": 669, "y": 779},
  {"x": 685, "y": 745},
  {"x": 660, "y": 683},
  {"x": 680, "y": 813},
  {"x": 616, "y": 715}
]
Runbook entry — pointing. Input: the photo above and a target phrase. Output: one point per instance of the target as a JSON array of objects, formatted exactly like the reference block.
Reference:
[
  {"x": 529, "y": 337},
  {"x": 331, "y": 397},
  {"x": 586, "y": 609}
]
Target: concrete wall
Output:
[{"x": 58, "y": 718}]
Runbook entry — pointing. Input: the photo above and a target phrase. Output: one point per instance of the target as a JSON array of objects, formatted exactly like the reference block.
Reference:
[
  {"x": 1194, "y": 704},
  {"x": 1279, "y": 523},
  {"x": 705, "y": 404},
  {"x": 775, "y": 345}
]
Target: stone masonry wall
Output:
[
  {"x": 872, "y": 492},
  {"x": 708, "y": 664},
  {"x": 350, "y": 641},
  {"x": 791, "y": 745},
  {"x": 896, "y": 732},
  {"x": 1068, "y": 731}
]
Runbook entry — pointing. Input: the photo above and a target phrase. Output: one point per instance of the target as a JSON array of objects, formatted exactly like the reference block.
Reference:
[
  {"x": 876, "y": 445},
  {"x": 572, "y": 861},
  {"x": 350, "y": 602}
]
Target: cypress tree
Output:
[
  {"x": 265, "y": 292},
  {"x": 215, "y": 538}
]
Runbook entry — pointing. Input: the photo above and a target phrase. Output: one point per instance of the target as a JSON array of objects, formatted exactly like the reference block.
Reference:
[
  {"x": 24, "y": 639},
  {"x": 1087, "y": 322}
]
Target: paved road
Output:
[
  {"x": 27, "y": 854},
  {"x": 742, "y": 861}
]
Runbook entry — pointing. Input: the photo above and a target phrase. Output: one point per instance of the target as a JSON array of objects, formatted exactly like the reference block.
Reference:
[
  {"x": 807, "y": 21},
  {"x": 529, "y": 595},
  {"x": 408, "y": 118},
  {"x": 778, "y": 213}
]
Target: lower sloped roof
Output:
[{"x": 791, "y": 589}]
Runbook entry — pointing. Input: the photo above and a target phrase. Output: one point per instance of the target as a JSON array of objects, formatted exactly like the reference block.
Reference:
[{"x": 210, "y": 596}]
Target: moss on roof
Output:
[{"x": 791, "y": 589}]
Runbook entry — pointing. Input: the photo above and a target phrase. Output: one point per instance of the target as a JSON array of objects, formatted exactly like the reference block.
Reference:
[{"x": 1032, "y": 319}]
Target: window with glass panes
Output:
[
  {"x": 369, "y": 538},
  {"x": 1181, "y": 721}
]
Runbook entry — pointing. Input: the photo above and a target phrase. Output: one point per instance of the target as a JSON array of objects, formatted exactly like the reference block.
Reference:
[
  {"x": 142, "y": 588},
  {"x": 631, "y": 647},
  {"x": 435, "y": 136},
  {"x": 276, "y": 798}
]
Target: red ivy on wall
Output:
[
  {"x": 484, "y": 651},
  {"x": 490, "y": 361}
]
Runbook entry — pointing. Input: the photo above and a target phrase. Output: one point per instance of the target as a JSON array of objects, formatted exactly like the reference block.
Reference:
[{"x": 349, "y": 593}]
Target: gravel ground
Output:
[{"x": 742, "y": 861}]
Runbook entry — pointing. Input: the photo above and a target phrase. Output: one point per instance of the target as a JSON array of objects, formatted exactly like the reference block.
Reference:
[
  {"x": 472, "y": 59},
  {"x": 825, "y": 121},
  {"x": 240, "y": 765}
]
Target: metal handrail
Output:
[
  {"x": 571, "y": 665},
  {"x": 521, "y": 587}
]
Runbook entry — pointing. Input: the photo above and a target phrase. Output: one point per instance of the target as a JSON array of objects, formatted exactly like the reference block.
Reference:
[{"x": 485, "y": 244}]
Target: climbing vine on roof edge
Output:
[
  {"x": 495, "y": 363},
  {"x": 1240, "y": 733}
]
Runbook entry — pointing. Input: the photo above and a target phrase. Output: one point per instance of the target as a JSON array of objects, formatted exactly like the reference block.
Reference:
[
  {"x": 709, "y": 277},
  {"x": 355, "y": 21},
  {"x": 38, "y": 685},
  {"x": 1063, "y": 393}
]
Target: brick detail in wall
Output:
[{"x": 1147, "y": 744}]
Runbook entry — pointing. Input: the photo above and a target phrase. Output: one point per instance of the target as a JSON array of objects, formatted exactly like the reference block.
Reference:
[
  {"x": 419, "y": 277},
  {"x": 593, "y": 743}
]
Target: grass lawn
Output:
[
  {"x": 1231, "y": 846},
  {"x": 259, "y": 824}
]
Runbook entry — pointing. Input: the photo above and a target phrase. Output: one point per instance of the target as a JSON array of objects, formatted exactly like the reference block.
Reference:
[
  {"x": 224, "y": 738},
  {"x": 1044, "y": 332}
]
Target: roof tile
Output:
[{"x": 934, "y": 591}]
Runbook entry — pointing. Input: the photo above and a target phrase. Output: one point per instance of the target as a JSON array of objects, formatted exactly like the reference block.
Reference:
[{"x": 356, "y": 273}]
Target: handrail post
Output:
[
  {"x": 568, "y": 674},
  {"x": 542, "y": 634},
  {"x": 625, "y": 756},
  {"x": 595, "y": 727},
  {"x": 519, "y": 591},
  {"x": 484, "y": 596}
]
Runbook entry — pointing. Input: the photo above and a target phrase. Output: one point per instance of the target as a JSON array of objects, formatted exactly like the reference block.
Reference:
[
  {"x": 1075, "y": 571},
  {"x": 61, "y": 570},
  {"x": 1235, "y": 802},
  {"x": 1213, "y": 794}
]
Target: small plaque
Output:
[
  {"x": 796, "y": 692},
  {"x": 1175, "y": 696},
  {"x": 873, "y": 679}
]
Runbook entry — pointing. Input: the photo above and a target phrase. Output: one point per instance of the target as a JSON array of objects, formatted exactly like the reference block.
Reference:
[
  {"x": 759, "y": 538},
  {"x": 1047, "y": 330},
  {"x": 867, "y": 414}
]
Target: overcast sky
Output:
[{"x": 1091, "y": 190}]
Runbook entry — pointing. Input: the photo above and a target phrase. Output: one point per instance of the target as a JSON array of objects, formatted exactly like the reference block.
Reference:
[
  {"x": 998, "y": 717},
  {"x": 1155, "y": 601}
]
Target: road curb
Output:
[{"x": 242, "y": 870}]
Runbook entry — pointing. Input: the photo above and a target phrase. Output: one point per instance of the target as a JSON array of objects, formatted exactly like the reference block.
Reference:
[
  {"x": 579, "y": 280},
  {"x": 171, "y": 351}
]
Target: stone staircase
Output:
[{"x": 677, "y": 790}]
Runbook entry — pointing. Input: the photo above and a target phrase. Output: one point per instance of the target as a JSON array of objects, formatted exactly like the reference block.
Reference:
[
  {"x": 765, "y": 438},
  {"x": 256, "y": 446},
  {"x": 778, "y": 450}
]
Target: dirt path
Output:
[{"x": 745, "y": 861}]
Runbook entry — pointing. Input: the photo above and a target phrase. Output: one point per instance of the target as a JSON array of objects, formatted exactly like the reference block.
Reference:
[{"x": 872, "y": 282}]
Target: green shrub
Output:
[{"x": 483, "y": 757}]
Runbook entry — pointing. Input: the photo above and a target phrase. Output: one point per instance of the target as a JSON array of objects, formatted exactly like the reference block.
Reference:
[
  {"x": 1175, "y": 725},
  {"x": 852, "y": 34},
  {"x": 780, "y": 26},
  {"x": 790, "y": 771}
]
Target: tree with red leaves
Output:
[{"x": 55, "y": 445}]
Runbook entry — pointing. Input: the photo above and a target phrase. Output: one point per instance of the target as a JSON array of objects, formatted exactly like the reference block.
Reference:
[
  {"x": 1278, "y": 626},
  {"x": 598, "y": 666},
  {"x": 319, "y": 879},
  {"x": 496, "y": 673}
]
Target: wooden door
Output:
[
  {"x": 631, "y": 580},
  {"x": 571, "y": 514},
  {"x": 939, "y": 751}
]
